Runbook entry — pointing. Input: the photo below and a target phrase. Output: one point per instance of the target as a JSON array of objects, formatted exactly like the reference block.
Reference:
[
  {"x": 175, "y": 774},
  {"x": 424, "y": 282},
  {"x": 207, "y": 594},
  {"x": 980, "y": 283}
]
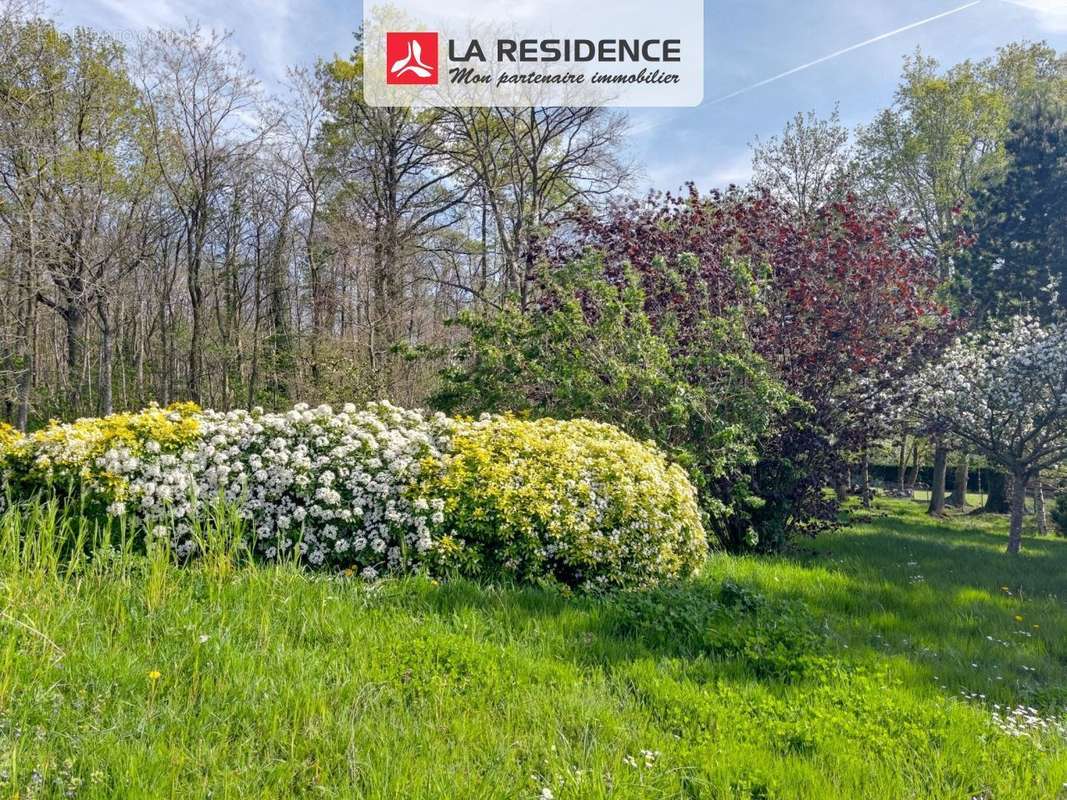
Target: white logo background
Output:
[{"x": 466, "y": 20}]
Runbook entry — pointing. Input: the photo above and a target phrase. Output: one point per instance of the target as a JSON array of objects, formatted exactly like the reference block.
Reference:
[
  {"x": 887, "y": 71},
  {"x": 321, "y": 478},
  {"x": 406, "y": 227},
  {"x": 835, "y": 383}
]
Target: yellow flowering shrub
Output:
[
  {"x": 382, "y": 490},
  {"x": 9, "y": 441},
  {"x": 8, "y": 438},
  {"x": 579, "y": 502},
  {"x": 79, "y": 454}
]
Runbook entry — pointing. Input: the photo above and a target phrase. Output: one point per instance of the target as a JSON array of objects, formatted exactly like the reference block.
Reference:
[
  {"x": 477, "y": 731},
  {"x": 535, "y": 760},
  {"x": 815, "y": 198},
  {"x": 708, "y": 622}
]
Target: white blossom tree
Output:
[{"x": 1004, "y": 392}]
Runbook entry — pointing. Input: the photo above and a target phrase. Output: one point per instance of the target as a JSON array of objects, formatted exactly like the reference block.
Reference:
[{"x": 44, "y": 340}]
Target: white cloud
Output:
[
  {"x": 274, "y": 31},
  {"x": 145, "y": 14},
  {"x": 736, "y": 169},
  {"x": 262, "y": 29},
  {"x": 1051, "y": 14},
  {"x": 646, "y": 123},
  {"x": 715, "y": 170}
]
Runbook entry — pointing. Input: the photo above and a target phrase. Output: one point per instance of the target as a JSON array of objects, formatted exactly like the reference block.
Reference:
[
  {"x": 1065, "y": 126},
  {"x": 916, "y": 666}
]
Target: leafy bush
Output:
[
  {"x": 588, "y": 349},
  {"x": 834, "y": 306},
  {"x": 383, "y": 489},
  {"x": 8, "y": 436},
  {"x": 578, "y": 501},
  {"x": 1059, "y": 514},
  {"x": 87, "y": 457}
]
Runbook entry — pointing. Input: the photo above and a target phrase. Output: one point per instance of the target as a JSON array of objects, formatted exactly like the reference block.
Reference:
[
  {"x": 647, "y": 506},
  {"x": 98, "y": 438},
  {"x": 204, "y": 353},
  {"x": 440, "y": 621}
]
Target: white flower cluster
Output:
[
  {"x": 338, "y": 487},
  {"x": 1027, "y": 721},
  {"x": 381, "y": 489},
  {"x": 1003, "y": 391}
]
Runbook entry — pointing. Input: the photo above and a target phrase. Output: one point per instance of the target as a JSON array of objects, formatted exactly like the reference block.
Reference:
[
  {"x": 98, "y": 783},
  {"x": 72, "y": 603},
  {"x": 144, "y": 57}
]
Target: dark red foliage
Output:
[{"x": 838, "y": 305}]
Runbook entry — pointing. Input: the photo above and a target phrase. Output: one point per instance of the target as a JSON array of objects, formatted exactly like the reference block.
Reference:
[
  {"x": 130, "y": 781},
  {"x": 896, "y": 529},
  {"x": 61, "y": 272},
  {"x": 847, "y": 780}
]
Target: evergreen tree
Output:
[{"x": 1018, "y": 261}]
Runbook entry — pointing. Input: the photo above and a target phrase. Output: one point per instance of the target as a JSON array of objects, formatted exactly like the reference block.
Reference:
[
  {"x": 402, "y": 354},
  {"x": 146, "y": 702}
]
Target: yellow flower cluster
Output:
[
  {"x": 74, "y": 452},
  {"x": 9, "y": 437},
  {"x": 578, "y": 501}
]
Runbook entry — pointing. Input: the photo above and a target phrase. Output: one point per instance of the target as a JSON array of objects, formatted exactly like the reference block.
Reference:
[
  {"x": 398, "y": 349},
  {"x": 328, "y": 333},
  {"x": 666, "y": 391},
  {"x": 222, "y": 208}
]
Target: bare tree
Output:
[
  {"x": 206, "y": 112},
  {"x": 169, "y": 232},
  {"x": 396, "y": 187},
  {"x": 531, "y": 167}
]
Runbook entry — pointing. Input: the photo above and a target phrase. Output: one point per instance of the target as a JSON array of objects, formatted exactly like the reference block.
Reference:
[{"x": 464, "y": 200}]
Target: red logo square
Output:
[{"x": 411, "y": 58}]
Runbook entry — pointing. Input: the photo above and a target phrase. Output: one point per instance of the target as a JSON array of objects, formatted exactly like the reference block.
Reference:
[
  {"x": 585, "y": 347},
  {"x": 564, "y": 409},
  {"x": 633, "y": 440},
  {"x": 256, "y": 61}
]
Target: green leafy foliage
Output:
[
  {"x": 731, "y": 622},
  {"x": 576, "y": 502},
  {"x": 589, "y": 349},
  {"x": 1059, "y": 514},
  {"x": 1017, "y": 262}
]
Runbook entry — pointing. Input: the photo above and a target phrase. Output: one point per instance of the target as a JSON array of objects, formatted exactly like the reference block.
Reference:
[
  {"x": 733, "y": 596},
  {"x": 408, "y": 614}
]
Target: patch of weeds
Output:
[{"x": 773, "y": 638}]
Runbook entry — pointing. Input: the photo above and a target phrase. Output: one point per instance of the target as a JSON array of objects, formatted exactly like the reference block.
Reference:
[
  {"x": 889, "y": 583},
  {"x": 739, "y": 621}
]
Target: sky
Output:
[{"x": 828, "y": 52}]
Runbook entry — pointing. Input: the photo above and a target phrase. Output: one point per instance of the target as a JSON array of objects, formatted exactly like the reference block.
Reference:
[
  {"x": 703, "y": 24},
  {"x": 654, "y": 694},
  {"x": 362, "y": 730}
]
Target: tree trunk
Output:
[
  {"x": 23, "y": 388},
  {"x": 194, "y": 248},
  {"x": 902, "y": 463},
  {"x": 1039, "y": 506},
  {"x": 959, "y": 490},
  {"x": 914, "y": 477},
  {"x": 281, "y": 338},
  {"x": 27, "y": 333},
  {"x": 1018, "y": 508},
  {"x": 937, "y": 488},
  {"x": 74, "y": 317},
  {"x": 997, "y": 501},
  {"x": 840, "y": 483},
  {"x": 106, "y": 357},
  {"x": 865, "y": 478},
  {"x": 27, "y": 358},
  {"x": 139, "y": 355}
]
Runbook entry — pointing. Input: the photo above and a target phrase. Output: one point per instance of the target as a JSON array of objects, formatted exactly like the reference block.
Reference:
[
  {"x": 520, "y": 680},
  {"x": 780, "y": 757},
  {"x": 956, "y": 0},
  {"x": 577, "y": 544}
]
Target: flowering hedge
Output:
[
  {"x": 382, "y": 489},
  {"x": 579, "y": 501}
]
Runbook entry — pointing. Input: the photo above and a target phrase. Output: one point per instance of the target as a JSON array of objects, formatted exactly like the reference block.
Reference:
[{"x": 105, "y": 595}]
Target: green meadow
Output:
[{"x": 903, "y": 657}]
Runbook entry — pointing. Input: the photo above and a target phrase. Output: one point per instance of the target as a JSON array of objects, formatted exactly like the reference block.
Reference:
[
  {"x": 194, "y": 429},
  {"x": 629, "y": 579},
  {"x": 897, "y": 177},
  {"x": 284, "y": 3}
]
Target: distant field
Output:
[{"x": 869, "y": 667}]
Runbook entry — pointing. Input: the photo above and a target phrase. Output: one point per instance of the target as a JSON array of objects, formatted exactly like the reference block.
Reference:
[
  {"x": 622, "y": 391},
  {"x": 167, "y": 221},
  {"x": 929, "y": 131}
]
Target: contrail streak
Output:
[{"x": 847, "y": 50}]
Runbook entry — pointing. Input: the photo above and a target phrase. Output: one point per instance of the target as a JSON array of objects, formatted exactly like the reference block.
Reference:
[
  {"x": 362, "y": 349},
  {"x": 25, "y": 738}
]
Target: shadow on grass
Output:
[{"x": 937, "y": 604}]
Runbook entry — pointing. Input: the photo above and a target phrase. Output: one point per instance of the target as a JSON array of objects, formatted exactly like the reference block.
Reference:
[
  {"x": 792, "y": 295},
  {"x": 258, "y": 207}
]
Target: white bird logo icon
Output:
[{"x": 412, "y": 62}]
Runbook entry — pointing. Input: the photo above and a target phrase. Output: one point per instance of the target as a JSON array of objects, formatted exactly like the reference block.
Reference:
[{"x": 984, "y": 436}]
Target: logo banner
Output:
[{"x": 536, "y": 53}]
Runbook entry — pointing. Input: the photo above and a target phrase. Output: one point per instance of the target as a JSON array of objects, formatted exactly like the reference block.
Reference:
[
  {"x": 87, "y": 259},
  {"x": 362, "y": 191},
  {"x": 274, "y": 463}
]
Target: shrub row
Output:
[{"x": 381, "y": 489}]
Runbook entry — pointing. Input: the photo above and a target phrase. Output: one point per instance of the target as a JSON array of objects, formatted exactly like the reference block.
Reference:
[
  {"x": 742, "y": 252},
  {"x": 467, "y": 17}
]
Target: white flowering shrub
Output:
[
  {"x": 382, "y": 489},
  {"x": 339, "y": 487},
  {"x": 1004, "y": 391},
  {"x": 68, "y": 459}
]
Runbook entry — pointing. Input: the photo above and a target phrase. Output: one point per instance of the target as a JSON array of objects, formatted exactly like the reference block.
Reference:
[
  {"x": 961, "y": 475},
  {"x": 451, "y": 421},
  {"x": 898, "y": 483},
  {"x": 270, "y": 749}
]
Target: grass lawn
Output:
[
  {"x": 868, "y": 667},
  {"x": 974, "y": 499}
]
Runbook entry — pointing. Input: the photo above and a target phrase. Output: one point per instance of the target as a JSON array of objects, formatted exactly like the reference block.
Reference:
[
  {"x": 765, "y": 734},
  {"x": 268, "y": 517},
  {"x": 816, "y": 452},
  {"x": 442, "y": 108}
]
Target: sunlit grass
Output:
[{"x": 127, "y": 676}]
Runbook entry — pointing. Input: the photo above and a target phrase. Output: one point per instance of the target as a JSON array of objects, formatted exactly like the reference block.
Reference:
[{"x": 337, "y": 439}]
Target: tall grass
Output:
[{"x": 854, "y": 671}]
